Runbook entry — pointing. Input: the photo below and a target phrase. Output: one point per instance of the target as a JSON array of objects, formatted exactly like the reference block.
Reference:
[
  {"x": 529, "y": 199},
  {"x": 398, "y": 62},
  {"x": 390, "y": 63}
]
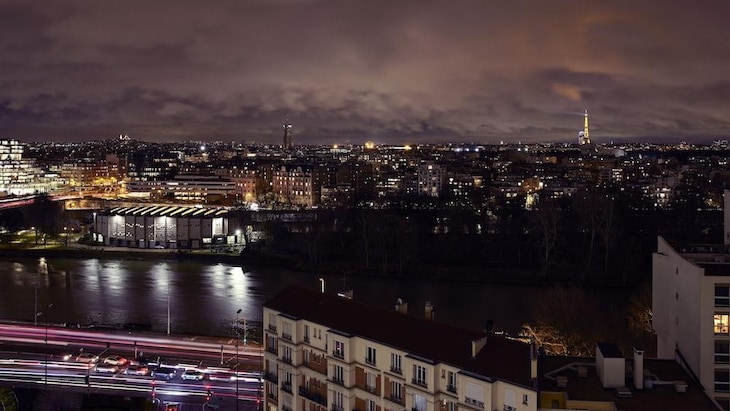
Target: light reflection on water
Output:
[{"x": 204, "y": 298}]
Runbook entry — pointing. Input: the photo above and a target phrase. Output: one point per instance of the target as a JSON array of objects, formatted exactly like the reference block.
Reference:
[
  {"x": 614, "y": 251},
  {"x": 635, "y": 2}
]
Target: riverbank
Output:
[{"x": 491, "y": 275}]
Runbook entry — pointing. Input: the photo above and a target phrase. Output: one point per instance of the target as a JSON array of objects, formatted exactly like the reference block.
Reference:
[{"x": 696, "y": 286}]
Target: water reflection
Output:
[{"x": 204, "y": 298}]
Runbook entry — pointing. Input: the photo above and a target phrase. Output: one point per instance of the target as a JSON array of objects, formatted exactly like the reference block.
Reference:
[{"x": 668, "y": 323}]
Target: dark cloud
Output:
[{"x": 346, "y": 70}]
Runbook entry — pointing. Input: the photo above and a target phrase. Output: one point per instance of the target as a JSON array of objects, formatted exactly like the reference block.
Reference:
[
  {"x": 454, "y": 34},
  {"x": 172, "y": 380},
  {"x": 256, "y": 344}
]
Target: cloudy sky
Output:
[{"x": 391, "y": 71}]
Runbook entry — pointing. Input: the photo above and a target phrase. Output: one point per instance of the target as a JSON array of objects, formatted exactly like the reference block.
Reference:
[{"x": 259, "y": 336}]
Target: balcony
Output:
[
  {"x": 338, "y": 354},
  {"x": 371, "y": 389},
  {"x": 370, "y": 361},
  {"x": 338, "y": 381},
  {"x": 396, "y": 399},
  {"x": 272, "y": 396},
  {"x": 286, "y": 336},
  {"x": 419, "y": 382},
  {"x": 451, "y": 388},
  {"x": 286, "y": 386},
  {"x": 474, "y": 402},
  {"x": 313, "y": 396},
  {"x": 306, "y": 339},
  {"x": 272, "y": 350},
  {"x": 286, "y": 360},
  {"x": 271, "y": 377},
  {"x": 272, "y": 328},
  {"x": 396, "y": 370}
]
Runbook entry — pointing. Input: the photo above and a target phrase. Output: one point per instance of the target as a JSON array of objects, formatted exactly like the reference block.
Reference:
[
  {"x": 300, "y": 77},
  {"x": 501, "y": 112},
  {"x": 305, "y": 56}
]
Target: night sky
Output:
[{"x": 393, "y": 71}]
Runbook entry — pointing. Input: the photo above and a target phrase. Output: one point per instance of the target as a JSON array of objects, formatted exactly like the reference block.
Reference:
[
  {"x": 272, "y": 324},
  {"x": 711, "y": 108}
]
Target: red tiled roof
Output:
[{"x": 501, "y": 358}]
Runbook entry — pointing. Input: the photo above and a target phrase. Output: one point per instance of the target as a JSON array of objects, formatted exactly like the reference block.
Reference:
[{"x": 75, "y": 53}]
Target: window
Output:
[
  {"x": 722, "y": 295},
  {"x": 272, "y": 321},
  {"x": 419, "y": 375},
  {"x": 370, "y": 356},
  {"x": 286, "y": 331},
  {"x": 271, "y": 344},
  {"x": 724, "y": 403},
  {"x": 451, "y": 382},
  {"x": 338, "y": 374},
  {"x": 396, "y": 391},
  {"x": 305, "y": 359},
  {"x": 722, "y": 352},
  {"x": 721, "y": 323},
  {"x": 524, "y": 398},
  {"x": 286, "y": 355},
  {"x": 371, "y": 381},
  {"x": 722, "y": 380},
  {"x": 339, "y": 400},
  {"x": 371, "y": 405},
  {"x": 339, "y": 349},
  {"x": 395, "y": 363},
  {"x": 306, "y": 333}
]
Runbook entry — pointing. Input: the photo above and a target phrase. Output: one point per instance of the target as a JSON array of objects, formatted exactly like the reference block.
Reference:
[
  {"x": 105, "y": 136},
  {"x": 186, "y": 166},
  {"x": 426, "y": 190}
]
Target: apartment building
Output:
[
  {"x": 326, "y": 352},
  {"x": 691, "y": 310}
]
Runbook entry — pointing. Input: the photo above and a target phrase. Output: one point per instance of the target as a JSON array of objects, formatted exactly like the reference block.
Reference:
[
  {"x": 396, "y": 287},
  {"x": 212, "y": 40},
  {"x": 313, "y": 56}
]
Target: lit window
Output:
[{"x": 721, "y": 323}]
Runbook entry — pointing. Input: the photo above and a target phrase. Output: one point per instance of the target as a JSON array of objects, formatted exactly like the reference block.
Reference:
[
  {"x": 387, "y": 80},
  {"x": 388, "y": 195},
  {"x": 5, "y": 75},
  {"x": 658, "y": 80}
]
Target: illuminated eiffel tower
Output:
[{"x": 584, "y": 136}]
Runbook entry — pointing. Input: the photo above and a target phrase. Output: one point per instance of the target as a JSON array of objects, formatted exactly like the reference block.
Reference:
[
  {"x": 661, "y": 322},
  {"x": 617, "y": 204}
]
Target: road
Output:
[{"x": 40, "y": 357}]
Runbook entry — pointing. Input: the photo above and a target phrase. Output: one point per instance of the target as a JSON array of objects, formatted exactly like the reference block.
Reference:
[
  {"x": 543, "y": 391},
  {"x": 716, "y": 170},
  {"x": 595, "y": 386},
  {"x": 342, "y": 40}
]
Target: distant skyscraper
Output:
[
  {"x": 584, "y": 136},
  {"x": 287, "y": 136}
]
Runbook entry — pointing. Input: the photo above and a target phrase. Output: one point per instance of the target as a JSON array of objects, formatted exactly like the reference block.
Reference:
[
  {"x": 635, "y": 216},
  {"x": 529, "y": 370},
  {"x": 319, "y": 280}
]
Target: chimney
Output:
[
  {"x": 533, "y": 360},
  {"x": 638, "y": 369},
  {"x": 477, "y": 345},
  {"x": 429, "y": 311},
  {"x": 401, "y": 307}
]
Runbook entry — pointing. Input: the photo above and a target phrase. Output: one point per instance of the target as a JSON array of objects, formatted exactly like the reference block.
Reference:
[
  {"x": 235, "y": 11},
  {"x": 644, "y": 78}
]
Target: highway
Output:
[{"x": 47, "y": 358}]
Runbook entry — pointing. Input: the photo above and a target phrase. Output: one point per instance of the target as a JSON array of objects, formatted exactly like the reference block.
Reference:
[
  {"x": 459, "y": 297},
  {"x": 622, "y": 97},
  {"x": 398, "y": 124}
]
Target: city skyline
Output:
[{"x": 346, "y": 72}]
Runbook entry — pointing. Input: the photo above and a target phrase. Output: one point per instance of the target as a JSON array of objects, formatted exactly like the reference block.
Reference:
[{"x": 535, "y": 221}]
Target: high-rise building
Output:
[
  {"x": 691, "y": 310},
  {"x": 287, "y": 136}
]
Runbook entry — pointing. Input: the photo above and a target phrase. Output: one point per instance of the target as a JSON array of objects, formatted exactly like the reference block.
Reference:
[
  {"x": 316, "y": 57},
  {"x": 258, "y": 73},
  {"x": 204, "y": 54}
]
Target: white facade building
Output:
[
  {"x": 325, "y": 352},
  {"x": 691, "y": 311}
]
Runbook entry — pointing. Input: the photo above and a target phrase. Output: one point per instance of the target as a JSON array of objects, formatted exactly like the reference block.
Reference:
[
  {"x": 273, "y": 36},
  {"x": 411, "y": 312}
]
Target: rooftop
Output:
[
  {"x": 661, "y": 396},
  {"x": 166, "y": 211},
  {"x": 500, "y": 358}
]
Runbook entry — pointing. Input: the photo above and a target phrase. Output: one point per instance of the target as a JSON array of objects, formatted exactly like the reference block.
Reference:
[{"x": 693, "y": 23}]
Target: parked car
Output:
[
  {"x": 192, "y": 375},
  {"x": 164, "y": 373},
  {"x": 115, "y": 360},
  {"x": 87, "y": 358}
]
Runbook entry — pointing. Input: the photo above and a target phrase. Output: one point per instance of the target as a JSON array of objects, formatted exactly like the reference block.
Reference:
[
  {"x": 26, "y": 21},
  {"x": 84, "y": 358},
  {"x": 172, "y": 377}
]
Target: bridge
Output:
[{"x": 190, "y": 372}]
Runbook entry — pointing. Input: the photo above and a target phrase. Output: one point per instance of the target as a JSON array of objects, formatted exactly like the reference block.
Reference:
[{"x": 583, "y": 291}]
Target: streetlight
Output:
[
  {"x": 65, "y": 232},
  {"x": 45, "y": 378},
  {"x": 168, "y": 302},
  {"x": 236, "y": 369}
]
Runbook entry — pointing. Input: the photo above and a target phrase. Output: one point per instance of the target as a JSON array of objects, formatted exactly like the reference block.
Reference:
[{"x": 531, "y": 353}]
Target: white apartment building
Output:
[
  {"x": 691, "y": 310},
  {"x": 325, "y": 352}
]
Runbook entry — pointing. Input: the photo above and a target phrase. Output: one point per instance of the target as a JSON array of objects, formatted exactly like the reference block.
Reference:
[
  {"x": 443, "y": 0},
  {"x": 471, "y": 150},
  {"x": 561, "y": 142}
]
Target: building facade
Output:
[
  {"x": 691, "y": 311},
  {"x": 326, "y": 352},
  {"x": 173, "y": 227}
]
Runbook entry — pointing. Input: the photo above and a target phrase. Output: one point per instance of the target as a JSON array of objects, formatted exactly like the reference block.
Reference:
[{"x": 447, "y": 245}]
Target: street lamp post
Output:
[
  {"x": 168, "y": 302},
  {"x": 236, "y": 369},
  {"x": 65, "y": 233},
  {"x": 45, "y": 372}
]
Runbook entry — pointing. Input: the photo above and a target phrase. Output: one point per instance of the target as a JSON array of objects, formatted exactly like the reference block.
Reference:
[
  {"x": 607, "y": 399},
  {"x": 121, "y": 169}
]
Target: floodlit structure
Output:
[
  {"x": 584, "y": 136},
  {"x": 287, "y": 136},
  {"x": 158, "y": 226}
]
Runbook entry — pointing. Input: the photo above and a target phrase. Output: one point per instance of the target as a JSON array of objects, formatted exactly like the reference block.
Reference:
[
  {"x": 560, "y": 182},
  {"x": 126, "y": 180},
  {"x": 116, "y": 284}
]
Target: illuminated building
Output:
[{"x": 584, "y": 136}]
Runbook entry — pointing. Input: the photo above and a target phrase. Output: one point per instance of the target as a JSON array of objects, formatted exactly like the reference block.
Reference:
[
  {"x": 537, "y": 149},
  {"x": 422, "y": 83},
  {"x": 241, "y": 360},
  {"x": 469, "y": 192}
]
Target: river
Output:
[{"x": 204, "y": 298}]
